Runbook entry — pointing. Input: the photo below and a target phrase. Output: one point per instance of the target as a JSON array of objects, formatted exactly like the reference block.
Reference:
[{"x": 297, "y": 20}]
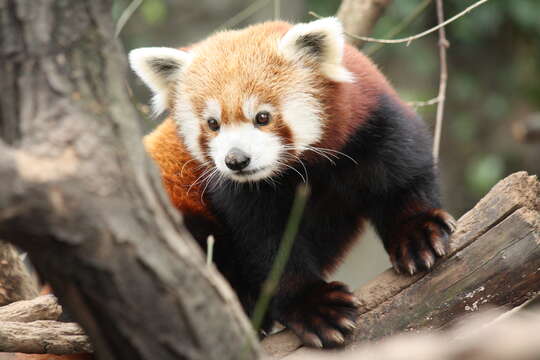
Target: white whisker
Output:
[{"x": 292, "y": 168}]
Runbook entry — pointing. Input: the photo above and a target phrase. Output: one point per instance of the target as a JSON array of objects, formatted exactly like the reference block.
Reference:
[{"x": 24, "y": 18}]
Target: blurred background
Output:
[{"x": 493, "y": 85}]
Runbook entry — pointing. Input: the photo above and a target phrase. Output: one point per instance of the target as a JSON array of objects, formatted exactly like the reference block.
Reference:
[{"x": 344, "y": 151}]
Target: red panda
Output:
[{"x": 255, "y": 112}]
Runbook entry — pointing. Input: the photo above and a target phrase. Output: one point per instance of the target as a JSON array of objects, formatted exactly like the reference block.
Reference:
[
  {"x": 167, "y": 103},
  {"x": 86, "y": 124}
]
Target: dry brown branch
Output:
[
  {"x": 441, "y": 97},
  {"x": 397, "y": 29},
  {"x": 429, "y": 102},
  {"x": 44, "y": 307},
  {"x": 16, "y": 283},
  {"x": 409, "y": 39},
  {"x": 43, "y": 337},
  {"x": 480, "y": 337},
  {"x": 360, "y": 16},
  {"x": 494, "y": 261}
]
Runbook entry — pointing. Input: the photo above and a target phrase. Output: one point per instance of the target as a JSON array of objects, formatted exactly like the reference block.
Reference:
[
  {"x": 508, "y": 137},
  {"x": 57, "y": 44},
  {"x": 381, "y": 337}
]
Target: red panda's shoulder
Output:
[
  {"x": 349, "y": 104},
  {"x": 179, "y": 171}
]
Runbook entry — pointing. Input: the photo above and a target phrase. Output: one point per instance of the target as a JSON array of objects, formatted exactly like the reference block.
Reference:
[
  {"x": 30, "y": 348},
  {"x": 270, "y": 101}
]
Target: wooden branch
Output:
[
  {"x": 494, "y": 261},
  {"x": 360, "y": 16},
  {"x": 43, "y": 337},
  {"x": 44, "y": 307},
  {"x": 81, "y": 196},
  {"x": 488, "y": 336},
  {"x": 29, "y": 326},
  {"x": 16, "y": 282}
]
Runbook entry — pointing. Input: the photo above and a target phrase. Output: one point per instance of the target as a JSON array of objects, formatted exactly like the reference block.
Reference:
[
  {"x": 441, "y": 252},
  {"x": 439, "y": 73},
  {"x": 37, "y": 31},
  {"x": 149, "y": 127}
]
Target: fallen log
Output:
[
  {"x": 494, "y": 260},
  {"x": 44, "y": 307},
  {"x": 43, "y": 337},
  {"x": 505, "y": 337}
]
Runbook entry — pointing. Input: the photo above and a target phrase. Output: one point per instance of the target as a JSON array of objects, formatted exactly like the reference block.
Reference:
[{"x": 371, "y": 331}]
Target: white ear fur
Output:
[
  {"x": 159, "y": 67},
  {"x": 321, "y": 40}
]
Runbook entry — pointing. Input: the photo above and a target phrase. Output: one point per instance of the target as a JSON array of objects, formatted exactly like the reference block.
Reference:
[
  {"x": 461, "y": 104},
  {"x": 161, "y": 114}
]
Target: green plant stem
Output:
[
  {"x": 272, "y": 281},
  {"x": 210, "y": 250}
]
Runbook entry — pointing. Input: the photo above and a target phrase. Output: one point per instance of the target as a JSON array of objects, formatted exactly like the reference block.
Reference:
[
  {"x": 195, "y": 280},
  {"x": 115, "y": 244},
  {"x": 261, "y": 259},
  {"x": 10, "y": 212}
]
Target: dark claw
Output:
[
  {"x": 325, "y": 317},
  {"x": 422, "y": 241}
]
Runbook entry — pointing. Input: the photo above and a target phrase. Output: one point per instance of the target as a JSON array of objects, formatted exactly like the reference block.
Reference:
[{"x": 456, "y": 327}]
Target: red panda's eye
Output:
[
  {"x": 213, "y": 124},
  {"x": 262, "y": 118}
]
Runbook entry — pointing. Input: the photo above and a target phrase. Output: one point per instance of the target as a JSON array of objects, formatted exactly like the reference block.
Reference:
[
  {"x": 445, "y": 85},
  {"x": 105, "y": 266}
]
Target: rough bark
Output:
[
  {"x": 483, "y": 337},
  {"x": 81, "y": 197},
  {"x": 29, "y": 326},
  {"x": 44, "y": 307},
  {"x": 16, "y": 282},
  {"x": 360, "y": 16},
  {"x": 43, "y": 337},
  {"x": 494, "y": 261}
]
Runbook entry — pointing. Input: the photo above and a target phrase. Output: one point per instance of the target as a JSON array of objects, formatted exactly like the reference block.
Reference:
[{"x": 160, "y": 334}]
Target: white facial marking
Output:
[
  {"x": 251, "y": 107},
  {"x": 263, "y": 148},
  {"x": 212, "y": 110},
  {"x": 303, "y": 114},
  {"x": 189, "y": 126}
]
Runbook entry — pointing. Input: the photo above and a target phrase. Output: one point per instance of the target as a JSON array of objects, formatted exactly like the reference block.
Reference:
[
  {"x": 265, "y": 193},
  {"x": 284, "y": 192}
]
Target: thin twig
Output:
[
  {"x": 409, "y": 39},
  {"x": 429, "y": 102},
  {"x": 126, "y": 15},
  {"x": 271, "y": 283},
  {"x": 443, "y": 45},
  {"x": 244, "y": 14},
  {"x": 400, "y": 27}
]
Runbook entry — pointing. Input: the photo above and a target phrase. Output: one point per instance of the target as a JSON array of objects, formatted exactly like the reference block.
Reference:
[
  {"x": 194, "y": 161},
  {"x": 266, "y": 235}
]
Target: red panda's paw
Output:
[
  {"x": 421, "y": 240},
  {"x": 326, "y": 317}
]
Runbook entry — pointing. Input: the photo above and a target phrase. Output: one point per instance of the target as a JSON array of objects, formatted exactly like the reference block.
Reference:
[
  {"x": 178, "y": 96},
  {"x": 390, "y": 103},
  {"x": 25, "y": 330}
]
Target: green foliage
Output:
[
  {"x": 483, "y": 172},
  {"x": 323, "y": 7},
  {"x": 154, "y": 11}
]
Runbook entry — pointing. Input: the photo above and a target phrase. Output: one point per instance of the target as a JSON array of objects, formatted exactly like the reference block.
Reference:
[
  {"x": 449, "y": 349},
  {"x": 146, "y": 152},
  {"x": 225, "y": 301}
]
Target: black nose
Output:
[{"x": 236, "y": 159}]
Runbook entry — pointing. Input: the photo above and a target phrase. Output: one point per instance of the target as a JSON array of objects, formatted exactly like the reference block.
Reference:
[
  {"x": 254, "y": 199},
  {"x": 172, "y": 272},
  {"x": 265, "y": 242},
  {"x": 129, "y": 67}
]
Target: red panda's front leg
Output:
[
  {"x": 414, "y": 229},
  {"x": 321, "y": 314}
]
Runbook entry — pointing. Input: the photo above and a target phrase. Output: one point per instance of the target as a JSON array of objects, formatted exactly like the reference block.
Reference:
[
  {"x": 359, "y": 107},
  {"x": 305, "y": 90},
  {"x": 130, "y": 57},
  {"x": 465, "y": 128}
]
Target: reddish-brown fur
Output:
[{"x": 178, "y": 169}]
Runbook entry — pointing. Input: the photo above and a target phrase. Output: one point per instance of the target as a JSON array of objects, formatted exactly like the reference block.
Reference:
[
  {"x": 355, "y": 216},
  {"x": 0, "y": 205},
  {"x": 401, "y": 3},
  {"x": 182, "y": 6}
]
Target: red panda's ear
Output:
[
  {"x": 159, "y": 68},
  {"x": 322, "y": 41}
]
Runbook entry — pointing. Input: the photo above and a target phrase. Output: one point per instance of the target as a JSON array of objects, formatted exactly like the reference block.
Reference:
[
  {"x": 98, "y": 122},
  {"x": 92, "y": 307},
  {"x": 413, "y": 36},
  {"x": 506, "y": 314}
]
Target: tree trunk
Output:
[{"x": 80, "y": 195}]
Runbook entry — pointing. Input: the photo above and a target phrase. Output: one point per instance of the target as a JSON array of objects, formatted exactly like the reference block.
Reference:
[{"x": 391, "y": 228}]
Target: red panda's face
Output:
[{"x": 248, "y": 102}]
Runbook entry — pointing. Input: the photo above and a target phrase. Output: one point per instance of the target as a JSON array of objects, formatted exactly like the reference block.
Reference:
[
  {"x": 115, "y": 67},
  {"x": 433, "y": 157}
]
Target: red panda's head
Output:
[{"x": 248, "y": 101}]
